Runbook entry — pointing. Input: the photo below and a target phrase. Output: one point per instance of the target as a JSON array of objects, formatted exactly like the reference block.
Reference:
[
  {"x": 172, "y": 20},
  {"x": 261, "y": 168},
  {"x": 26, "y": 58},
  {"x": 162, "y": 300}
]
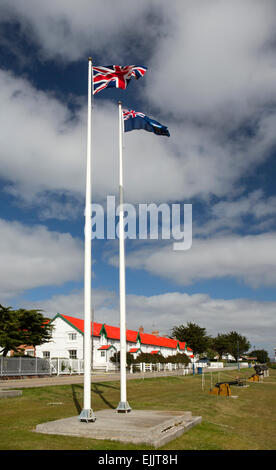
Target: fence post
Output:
[{"x": 58, "y": 366}]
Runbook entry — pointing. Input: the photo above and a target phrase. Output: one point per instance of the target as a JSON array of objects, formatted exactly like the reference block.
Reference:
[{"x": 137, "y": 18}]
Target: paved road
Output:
[{"x": 78, "y": 379}]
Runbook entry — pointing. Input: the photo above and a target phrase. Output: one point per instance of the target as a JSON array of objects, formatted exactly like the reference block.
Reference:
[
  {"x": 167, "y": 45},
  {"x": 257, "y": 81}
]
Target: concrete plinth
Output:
[
  {"x": 10, "y": 393},
  {"x": 149, "y": 427}
]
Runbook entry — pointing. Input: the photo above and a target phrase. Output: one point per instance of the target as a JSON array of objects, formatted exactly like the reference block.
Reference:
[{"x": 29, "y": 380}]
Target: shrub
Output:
[{"x": 116, "y": 358}]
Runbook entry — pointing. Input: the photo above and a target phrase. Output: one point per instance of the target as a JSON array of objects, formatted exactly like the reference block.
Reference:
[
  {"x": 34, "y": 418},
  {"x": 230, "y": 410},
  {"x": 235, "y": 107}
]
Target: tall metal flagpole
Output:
[
  {"x": 123, "y": 406},
  {"x": 87, "y": 413}
]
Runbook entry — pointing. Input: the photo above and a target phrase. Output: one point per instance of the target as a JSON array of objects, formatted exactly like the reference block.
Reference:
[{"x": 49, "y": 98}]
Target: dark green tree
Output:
[
  {"x": 195, "y": 337},
  {"x": 22, "y": 327},
  {"x": 220, "y": 344},
  {"x": 237, "y": 344},
  {"x": 260, "y": 354}
]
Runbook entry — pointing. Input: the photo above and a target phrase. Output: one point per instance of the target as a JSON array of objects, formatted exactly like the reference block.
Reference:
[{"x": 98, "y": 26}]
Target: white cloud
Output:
[
  {"x": 206, "y": 59},
  {"x": 223, "y": 76},
  {"x": 104, "y": 304},
  {"x": 49, "y": 152},
  {"x": 33, "y": 256},
  {"x": 229, "y": 215},
  {"x": 68, "y": 30},
  {"x": 255, "y": 203},
  {"x": 251, "y": 259},
  {"x": 217, "y": 59}
]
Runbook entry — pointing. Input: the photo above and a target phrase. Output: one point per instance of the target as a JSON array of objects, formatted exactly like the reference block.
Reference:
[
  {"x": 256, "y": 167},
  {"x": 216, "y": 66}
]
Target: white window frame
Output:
[
  {"x": 72, "y": 336},
  {"x": 71, "y": 355}
]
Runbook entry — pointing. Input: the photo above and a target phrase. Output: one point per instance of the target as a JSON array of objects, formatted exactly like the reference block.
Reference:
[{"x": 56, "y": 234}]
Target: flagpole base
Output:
[
  {"x": 123, "y": 407},
  {"x": 87, "y": 416}
]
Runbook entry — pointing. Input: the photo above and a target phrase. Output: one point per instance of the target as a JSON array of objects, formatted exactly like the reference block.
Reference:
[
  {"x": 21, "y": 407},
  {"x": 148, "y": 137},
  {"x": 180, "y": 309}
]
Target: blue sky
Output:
[{"x": 211, "y": 80}]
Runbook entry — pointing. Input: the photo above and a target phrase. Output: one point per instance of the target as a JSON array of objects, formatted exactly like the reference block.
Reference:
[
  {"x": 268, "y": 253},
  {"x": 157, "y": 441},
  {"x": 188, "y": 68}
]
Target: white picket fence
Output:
[
  {"x": 21, "y": 366},
  {"x": 157, "y": 367},
  {"x": 211, "y": 365}
]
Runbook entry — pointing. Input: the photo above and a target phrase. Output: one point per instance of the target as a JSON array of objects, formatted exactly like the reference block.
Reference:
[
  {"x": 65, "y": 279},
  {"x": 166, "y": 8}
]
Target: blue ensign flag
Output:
[{"x": 134, "y": 120}]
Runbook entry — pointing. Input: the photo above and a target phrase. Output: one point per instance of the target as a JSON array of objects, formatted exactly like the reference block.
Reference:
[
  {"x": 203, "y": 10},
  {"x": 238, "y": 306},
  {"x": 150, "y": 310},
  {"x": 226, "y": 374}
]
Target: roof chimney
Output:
[
  {"x": 155, "y": 332},
  {"x": 141, "y": 329}
]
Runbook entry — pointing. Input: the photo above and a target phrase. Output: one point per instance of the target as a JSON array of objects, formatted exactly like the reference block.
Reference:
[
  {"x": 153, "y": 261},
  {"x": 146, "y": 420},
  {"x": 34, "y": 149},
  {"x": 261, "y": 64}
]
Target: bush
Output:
[
  {"x": 116, "y": 358},
  {"x": 178, "y": 358},
  {"x": 150, "y": 358}
]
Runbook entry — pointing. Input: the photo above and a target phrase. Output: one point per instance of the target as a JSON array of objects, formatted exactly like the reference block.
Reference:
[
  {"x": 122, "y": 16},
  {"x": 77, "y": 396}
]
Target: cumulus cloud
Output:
[
  {"x": 33, "y": 256},
  {"x": 222, "y": 63},
  {"x": 104, "y": 304},
  {"x": 216, "y": 103},
  {"x": 229, "y": 215},
  {"x": 67, "y": 30},
  {"x": 49, "y": 152},
  {"x": 250, "y": 259}
]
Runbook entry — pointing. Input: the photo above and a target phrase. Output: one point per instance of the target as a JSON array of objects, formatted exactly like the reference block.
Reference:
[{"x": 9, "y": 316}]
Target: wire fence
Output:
[
  {"x": 24, "y": 366},
  {"x": 21, "y": 366}
]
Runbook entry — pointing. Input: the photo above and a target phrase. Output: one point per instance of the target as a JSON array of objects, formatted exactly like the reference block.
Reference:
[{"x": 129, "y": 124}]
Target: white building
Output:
[{"x": 67, "y": 341}]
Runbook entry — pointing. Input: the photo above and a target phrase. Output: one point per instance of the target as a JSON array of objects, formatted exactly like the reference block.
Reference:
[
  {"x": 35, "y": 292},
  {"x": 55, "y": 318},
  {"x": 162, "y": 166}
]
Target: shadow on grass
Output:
[
  {"x": 96, "y": 389},
  {"x": 75, "y": 399}
]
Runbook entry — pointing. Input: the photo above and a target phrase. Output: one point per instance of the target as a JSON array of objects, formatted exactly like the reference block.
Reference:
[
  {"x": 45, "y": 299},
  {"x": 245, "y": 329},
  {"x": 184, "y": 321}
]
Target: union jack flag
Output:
[
  {"x": 127, "y": 113},
  {"x": 115, "y": 76}
]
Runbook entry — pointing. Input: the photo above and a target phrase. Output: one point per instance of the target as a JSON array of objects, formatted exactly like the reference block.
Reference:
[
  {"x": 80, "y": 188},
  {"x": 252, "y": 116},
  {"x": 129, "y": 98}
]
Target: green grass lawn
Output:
[{"x": 243, "y": 423}]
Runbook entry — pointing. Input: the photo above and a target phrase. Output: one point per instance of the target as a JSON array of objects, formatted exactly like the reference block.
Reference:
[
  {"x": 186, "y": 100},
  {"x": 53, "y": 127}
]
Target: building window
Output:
[
  {"x": 102, "y": 353},
  {"x": 29, "y": 352},
  {"x": 46, "y": 354},
  {"x": 72, "y": 354},
  {"x": 72, "y": 336}
]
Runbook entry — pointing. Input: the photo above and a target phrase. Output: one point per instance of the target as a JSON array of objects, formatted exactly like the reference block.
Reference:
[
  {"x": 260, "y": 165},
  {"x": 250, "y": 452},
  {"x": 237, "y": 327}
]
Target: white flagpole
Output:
[
  {"x": 87, "y": 413},
  {"x": 123, "y": 406}
]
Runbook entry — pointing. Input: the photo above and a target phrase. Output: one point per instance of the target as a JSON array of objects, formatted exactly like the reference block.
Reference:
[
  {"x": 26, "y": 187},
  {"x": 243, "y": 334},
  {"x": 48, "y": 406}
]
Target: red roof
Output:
[
  {"x": 113, "y": 332},
  {"x": 134, "y": 350},
  {"x": 79, "y": 324},
  {"x": 158, "y": 341},
  {"x": 107, "y": 346},
  {"x": 155, "y": 352}
]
